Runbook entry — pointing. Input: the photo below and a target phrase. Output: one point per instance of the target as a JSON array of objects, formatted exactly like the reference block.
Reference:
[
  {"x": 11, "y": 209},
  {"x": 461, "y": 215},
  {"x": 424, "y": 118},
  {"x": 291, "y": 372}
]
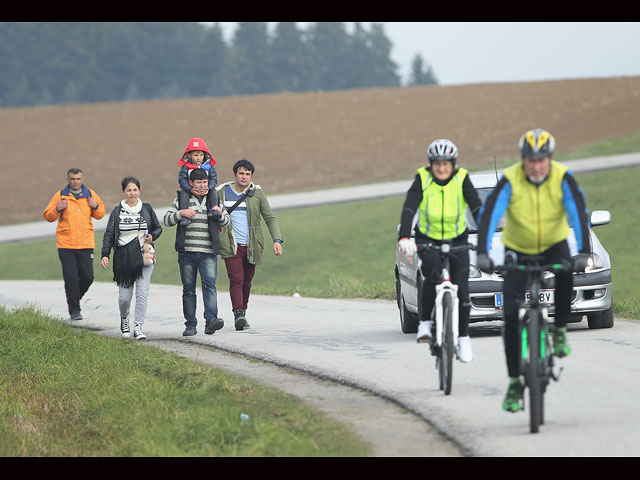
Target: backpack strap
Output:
[{"x": 240, "y": 200}]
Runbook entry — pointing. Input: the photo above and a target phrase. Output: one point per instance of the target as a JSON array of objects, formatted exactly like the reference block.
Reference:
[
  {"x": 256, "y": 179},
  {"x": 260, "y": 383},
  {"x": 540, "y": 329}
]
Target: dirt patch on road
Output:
[{"x": 298, "y": 141}]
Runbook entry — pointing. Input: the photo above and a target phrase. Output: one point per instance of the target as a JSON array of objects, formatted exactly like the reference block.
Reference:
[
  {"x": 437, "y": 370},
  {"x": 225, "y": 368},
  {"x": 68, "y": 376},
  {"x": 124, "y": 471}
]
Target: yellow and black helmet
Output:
[{"x": 537, "y": 144}]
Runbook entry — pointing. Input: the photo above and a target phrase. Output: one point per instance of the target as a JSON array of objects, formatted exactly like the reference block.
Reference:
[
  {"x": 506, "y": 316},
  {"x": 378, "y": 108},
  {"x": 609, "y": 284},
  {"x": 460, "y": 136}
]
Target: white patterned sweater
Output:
[{"x": 132, "y": 224}]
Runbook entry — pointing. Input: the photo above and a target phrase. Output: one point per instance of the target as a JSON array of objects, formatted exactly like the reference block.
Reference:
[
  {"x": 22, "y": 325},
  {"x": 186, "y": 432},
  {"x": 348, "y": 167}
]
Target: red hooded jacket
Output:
[{"x": 196, "y": 143}]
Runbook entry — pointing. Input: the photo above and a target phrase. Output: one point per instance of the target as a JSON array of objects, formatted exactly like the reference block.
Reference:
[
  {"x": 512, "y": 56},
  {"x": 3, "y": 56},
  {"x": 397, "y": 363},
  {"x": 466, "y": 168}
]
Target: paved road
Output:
[
  {"x": 359, "y": 343},
  {"x": 40, "y": 229},
  {"x": 590, "y": 412}
]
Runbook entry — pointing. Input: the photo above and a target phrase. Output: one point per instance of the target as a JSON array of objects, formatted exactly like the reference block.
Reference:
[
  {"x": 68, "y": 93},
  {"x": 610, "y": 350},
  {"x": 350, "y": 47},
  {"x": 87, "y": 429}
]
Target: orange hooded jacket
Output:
[{"x": 75, "y": 227}]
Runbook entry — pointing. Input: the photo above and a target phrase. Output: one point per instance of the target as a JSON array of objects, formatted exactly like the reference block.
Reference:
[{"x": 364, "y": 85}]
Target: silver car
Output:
[{"x": 591, "y": 290}]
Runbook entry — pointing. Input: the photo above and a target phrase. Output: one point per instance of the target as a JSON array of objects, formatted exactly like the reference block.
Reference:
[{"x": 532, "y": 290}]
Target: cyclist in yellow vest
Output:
[
  {"x": 439, "y": 195},
  {"x": 541, "y": 198}
]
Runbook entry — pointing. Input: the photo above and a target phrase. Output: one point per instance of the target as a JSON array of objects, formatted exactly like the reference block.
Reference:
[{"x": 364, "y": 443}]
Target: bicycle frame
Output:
[
  {"x": 535, "y": 284},
  {"x": 441, "y": 289},
  {"x": 536, "y": 357},
  {"x": 443, "y": 348}
]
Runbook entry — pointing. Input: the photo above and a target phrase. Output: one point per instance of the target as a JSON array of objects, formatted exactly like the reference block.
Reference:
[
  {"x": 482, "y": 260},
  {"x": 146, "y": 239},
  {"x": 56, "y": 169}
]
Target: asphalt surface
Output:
[{"x": 358, "y": 343}]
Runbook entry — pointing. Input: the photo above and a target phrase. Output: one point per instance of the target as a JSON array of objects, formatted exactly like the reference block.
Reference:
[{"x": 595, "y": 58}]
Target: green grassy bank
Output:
[{"x": 67, "y": 392}]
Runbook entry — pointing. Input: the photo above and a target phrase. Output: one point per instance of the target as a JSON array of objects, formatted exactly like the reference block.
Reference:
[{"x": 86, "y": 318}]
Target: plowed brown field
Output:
[{"x": 298, "y": 141}]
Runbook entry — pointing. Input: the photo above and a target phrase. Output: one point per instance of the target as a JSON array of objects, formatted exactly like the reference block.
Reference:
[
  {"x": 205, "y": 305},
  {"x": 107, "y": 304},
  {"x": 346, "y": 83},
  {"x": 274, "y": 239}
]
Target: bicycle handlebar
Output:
[
  {"x": 422, "y": 247},
  {"x": 535, "y": 267}
]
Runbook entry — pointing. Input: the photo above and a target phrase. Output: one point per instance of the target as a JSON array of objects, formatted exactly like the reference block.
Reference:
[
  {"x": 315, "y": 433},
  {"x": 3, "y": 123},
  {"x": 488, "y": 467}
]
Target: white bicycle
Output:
[{"x": 444, "y": 315}]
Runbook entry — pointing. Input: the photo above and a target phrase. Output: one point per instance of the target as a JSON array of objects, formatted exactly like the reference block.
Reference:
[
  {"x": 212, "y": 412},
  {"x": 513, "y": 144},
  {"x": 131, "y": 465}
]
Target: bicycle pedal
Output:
[{"x": 556, "y": 377}]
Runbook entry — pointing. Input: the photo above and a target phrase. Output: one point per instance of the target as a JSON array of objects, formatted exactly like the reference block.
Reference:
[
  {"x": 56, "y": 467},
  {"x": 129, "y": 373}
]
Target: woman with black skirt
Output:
[{"x": 131, "y": 225}]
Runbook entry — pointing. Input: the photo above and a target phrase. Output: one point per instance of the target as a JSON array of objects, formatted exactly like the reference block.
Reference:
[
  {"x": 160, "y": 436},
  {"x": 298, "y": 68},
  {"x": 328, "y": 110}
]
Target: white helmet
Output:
[{"x": 442, "y": 149}]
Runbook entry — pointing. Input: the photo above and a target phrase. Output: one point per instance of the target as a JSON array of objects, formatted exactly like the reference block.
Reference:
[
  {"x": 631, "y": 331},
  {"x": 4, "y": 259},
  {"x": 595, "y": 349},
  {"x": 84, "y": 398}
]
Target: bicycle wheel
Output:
[
  {"x": 546, "y": 353},
  {"x": 533, "y": 374},
  {"x": 446, "y": 349}
]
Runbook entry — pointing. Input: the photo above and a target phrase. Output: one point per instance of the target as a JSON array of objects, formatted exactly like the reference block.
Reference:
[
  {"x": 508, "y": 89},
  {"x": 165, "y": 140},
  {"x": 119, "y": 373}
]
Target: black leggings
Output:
[
  {"x": 431, "y": 269},
  {"x": 514, "y": 289},
  {"x": 77, "y": 271}
]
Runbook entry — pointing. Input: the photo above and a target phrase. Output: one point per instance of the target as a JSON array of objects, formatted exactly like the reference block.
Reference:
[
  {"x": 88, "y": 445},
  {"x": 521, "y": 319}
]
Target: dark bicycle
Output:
[
  {"x": 536, "y": 365},
  {"x": 444, "y": 315}
]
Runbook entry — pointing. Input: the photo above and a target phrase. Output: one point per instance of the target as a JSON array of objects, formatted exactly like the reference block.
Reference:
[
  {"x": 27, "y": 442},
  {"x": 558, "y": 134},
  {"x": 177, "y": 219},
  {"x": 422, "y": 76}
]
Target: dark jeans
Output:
[
  {"x": 77, "y": 272},
  {"x": 515, "y": 285},
  {"x": 431, "y": 269},
  {"x": 190, "y": 264},
  {"x": 240, "y": 273}
]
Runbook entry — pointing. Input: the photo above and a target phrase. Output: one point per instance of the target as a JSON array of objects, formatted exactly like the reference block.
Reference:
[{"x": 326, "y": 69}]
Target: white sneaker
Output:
[
  {"x": 424, "y": 331},
  {"x": 124, "y": 327},
  {"x": 137, "y": 332},
  {"x": 465, "y": 354}
]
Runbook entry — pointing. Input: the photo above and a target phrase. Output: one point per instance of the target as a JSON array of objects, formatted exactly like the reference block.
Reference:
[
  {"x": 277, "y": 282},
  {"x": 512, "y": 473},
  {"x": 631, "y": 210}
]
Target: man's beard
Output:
[{"x": 537, "y": 179}]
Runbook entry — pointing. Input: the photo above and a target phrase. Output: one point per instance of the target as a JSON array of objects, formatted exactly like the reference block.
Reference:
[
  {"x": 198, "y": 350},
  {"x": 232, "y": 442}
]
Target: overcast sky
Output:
[{"x": 507, "y": 51}]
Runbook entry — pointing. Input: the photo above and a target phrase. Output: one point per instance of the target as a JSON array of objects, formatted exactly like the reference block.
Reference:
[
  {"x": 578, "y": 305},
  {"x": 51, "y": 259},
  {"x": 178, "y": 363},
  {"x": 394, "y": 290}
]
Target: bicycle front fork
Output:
[{"x": 546, "y": 353}]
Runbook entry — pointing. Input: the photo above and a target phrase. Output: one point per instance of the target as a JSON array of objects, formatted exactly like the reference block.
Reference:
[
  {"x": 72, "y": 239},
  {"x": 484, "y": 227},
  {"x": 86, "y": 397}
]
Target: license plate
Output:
[{"x": 546, "y": 297}]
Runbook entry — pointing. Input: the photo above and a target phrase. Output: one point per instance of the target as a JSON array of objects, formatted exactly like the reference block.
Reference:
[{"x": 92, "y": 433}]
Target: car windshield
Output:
[{"x": 483, "y": 193}]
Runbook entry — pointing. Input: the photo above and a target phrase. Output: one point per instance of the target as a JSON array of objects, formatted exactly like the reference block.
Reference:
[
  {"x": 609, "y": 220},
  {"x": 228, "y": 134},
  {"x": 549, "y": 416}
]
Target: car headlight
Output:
[
  {"x": 474, "y": 272},
  {"x": 594, "y": 262}
]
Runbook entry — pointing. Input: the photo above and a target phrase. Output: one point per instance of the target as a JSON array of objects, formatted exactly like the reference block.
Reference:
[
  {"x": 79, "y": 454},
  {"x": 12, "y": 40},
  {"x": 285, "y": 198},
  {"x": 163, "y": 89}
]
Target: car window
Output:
[{"x": 483, "y": 193}]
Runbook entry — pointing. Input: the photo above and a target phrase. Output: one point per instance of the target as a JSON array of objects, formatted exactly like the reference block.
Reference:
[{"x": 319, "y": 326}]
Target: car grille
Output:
[{"x": 483, "y": 302}]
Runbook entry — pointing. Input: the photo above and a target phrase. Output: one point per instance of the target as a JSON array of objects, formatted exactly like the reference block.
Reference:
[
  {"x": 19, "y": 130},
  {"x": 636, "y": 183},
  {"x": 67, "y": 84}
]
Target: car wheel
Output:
[
  {"x": 602, "y": 319},
  {"x": 574, "y": 318},
  {"x": 408, "y": 320}
]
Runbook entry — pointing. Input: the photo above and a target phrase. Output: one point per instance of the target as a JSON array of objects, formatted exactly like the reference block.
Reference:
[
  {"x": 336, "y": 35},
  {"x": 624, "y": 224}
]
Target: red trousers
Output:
[{"x": 240, "y": 273}]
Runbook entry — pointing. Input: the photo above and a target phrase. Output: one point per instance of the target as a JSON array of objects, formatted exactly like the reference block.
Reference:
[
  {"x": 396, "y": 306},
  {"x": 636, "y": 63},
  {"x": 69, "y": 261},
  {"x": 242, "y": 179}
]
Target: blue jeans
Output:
[{"x": 190, "y": 264}]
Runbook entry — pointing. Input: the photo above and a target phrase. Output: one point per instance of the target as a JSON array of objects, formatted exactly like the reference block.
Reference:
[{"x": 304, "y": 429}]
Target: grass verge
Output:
[
  {"x": 68, "y": 392},
  {"x": 348, "y": 250}
]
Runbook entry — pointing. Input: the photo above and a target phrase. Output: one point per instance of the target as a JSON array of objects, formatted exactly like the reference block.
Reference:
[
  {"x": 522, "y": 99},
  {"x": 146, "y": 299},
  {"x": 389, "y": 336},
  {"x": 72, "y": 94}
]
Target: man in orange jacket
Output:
[{"x": 74, "y": 207}]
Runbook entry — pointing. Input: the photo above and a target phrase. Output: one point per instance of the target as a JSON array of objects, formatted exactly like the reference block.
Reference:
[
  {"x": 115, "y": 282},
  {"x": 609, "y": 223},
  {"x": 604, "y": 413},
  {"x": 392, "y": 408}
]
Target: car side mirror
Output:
[{"x": 600, "y": 217}]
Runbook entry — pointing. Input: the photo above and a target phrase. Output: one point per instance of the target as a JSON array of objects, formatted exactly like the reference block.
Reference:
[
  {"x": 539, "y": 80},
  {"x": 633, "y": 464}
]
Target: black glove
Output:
[
  {"x": 580, "y": 262},
  {"x": 484, "y": 263}
]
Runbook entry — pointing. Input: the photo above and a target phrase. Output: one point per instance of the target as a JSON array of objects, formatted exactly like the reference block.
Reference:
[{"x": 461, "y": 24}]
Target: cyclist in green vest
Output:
[
  {"x": 439, "y": 195},
  {"x": 541, "y": 198}
]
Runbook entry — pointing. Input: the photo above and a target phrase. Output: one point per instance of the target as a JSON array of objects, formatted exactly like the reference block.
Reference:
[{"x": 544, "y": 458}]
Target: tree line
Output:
[{"x": 69, "y": 62}]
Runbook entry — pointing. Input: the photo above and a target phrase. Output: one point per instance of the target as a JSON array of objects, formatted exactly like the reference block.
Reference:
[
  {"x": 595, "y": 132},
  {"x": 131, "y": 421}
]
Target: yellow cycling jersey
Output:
[
  {"x": 536, "y": 218},
  {"x": 441, "y": 212}
]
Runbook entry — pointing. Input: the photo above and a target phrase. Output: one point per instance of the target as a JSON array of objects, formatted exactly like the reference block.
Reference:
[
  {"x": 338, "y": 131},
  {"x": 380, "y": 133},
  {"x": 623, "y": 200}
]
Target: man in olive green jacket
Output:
[{"x": 242, "y": 242}]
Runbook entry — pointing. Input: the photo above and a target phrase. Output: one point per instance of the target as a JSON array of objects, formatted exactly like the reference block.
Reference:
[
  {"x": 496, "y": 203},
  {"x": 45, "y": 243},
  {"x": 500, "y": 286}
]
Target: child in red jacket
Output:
[{"x": 196, "y": 155}]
